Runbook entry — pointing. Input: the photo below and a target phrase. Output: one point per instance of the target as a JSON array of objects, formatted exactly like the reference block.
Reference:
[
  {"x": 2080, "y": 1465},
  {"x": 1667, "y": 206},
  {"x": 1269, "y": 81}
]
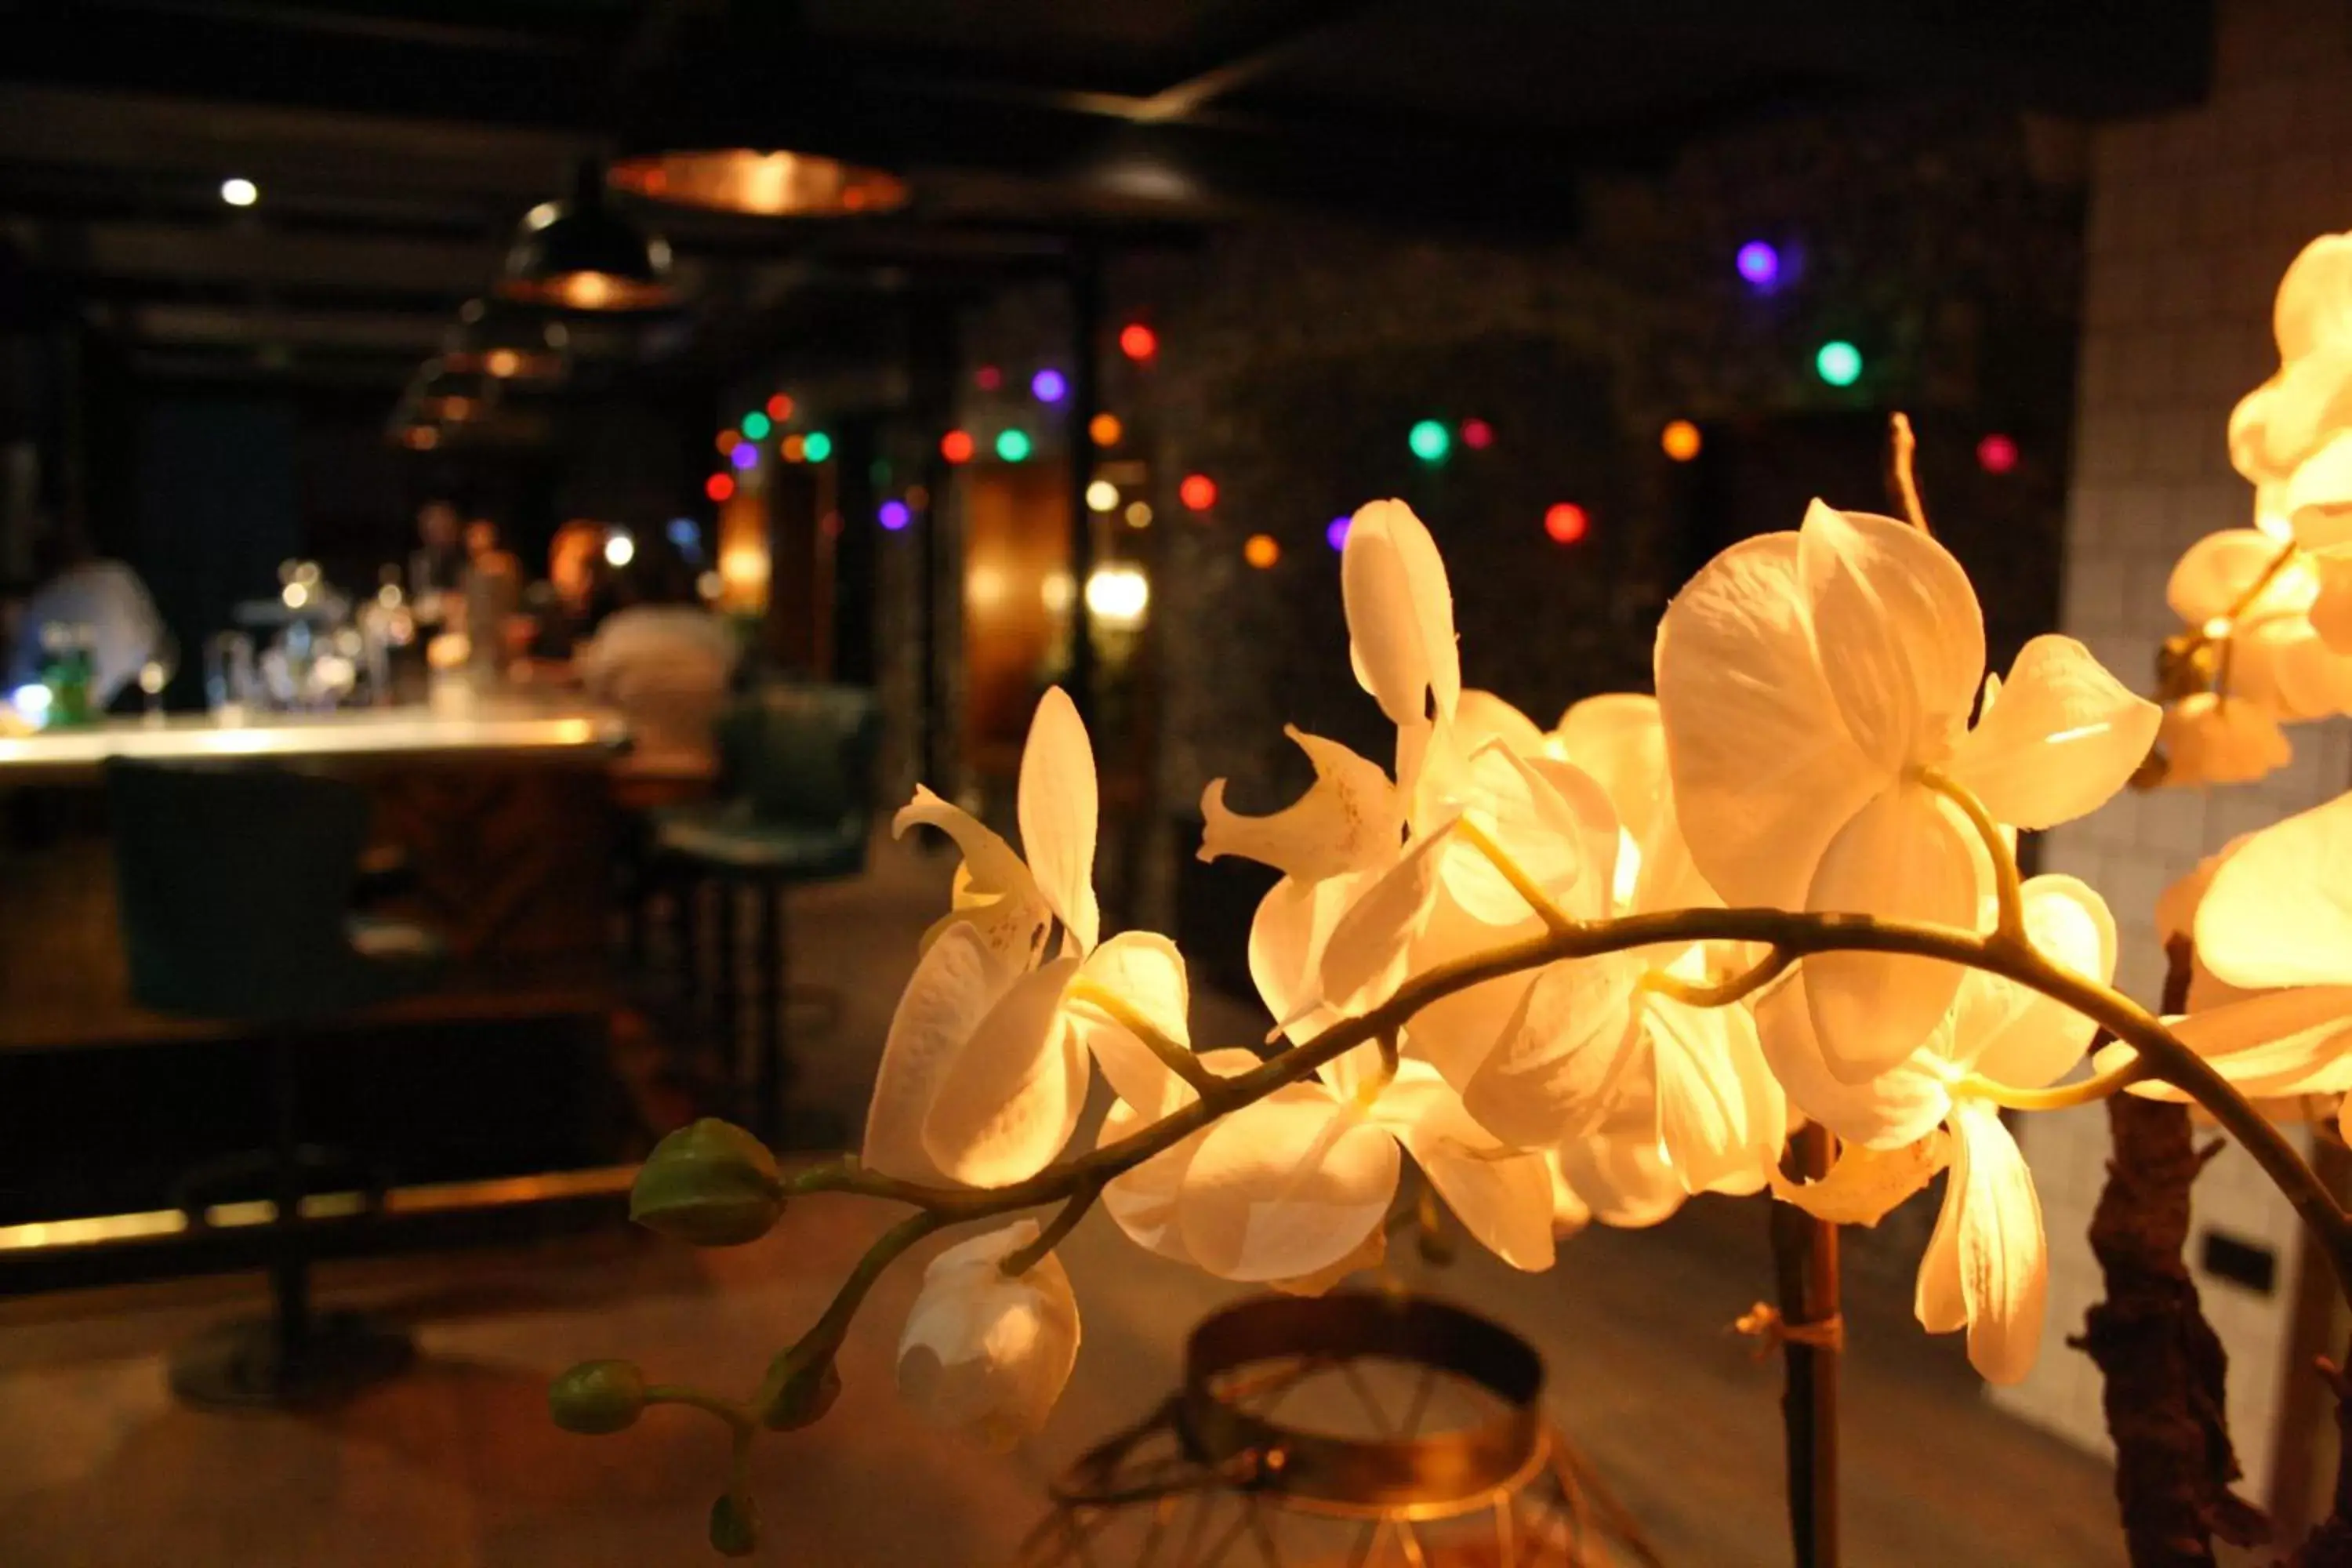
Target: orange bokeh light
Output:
[
  {"x": 1261, "y": 551},
  {"x": 728, "y": 441},
  {"x": 1106, "y": 429},
  {"x": 1681, "y": 440}
]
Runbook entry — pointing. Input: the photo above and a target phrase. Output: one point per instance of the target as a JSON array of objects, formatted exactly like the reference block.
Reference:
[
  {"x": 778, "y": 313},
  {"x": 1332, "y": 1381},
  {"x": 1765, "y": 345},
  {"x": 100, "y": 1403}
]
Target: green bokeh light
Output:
[
  {"x": 1839, "y": 363},
  {"x": 1430, "y": 441},
  {"x": 1013, "y": 446},
  {"x": 756, "y": 426},
  {"x": 817, "y": 447}
]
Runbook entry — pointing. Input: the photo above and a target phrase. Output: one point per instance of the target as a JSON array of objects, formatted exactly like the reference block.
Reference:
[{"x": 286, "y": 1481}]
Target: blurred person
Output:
[
  {"x": 83, "y": 589},
  {"x": 436, "y": 567},
  {"x": 662, "y": 661}
]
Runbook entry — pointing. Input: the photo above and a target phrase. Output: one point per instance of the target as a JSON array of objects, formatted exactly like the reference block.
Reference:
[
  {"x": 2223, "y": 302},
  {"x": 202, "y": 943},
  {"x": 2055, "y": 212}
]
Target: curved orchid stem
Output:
[
  {"x": 2057, "y": 1097},
  {"x": 1179, "y": 1059},
  {"x": 1550, "y": 913},
  {"x": 1793, "y": 936},
  {"x": 1768, "y": 969},
  {"x": 2009, "y": 892}
]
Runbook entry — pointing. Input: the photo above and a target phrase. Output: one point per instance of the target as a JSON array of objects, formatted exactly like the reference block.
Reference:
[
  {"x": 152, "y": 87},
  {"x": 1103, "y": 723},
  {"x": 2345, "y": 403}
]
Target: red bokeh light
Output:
[
  {"x": 718, "y": 486},
  {"x": 1566, "y": 523},
  {"x": 956, "y": 446},
  {"x": 987, "y": 378},
  {"x": 1198, "y": 491},
  {"x": 1997, "y": 454},
  {"x": 780, "y": 408},
  {"x": 1478, "y": 435},
  {"x": 1137, "y": 341}
]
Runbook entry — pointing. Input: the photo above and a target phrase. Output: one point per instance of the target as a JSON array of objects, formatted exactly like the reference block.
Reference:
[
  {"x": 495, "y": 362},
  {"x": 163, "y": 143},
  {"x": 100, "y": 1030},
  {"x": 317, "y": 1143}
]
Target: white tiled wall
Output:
[{"x": 2193, "y": 217}]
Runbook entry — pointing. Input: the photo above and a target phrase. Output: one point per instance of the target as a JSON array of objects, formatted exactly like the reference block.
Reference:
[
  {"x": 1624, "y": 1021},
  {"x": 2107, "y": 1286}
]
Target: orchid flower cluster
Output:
[
  {"x": 1581, "y": 974},
  {"x": 2268, "y": 638}
]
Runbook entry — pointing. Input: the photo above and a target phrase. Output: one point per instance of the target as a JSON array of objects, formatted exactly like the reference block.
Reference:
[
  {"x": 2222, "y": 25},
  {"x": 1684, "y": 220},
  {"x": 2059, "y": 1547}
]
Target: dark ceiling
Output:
[{"x": 396, "y": 142}]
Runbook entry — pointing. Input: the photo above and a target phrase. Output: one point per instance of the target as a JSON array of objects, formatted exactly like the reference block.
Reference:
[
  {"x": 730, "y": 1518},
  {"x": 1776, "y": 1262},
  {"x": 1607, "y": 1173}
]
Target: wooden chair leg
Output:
[{"x": 724, "y": 986}]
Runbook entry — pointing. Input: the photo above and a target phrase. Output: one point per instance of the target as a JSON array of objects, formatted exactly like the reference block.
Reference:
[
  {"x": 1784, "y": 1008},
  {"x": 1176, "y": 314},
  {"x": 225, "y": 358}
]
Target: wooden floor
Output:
[{"x": 456, "y": 1463}]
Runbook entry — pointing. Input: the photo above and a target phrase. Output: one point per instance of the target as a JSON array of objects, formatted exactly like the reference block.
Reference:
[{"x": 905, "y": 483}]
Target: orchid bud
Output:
[
  {"x": 804, "y": 1395},
  {"x": 712, "y": 1184},
  {"x": 598, "y": 1396},
  {"x": 986, "y": 1353},
  {"x": 734, "y": 1526}
]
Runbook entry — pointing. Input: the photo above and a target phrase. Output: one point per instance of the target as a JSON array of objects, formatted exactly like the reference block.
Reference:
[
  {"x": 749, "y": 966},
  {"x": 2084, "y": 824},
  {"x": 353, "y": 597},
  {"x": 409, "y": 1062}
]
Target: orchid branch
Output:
[
  {"x": 1766, "y": 969},
  {"x": 1181, "y": 1060},
  {"x": 1550, "y": 913},
  {"x": 1074, "y": 1209},
  {"x": 2087, "y": 1090},
  {"x": 2009, "y": 892}
]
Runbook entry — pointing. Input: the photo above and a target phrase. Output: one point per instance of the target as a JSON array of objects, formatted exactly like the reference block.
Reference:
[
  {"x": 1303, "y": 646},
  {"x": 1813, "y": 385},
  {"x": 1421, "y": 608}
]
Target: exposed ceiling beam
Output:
[{"x": 262, "y": 256}]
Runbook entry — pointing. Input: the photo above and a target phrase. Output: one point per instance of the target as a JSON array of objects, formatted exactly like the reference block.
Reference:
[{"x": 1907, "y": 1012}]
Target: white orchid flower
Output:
[
  {"x": 2271, "y": 1003},
  {"x": 1296, "y": 1188},
  {"x": 986, "y": 1353},
  {"x": 2209, "y": 739},
  {"x": 1987, "y": 1266},
  {"x": 2278, "y": 425},
  {"x": 1813, "y": 685},
  {"x": 984, "y": 1070}
]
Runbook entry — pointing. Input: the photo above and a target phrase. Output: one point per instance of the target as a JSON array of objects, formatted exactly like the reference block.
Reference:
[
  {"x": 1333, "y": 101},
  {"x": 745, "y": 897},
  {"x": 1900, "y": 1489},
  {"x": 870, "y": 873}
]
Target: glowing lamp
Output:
[
  {"x": 1478, "y": 435},
  {"x": 1335, "y": 533},
  {"x": 1049, "y": 385},
  {"x": 1997, "y": 454},
  {"x": 240, "y": 193},
  {"x": 1566, "y": 523},
  {"x": 1102, "y": 496},
  {"x": 956, "y": 446},
  {"x": 1429, "y": 441},
  {"x": 728, "y": 441},
  {"x": 756, "y": 426},
  {"x": 818, "y": 447},
  {"x": 1013, "y": 445},
  {"x": 619, "y": 549},
  {"x": 1839, "y": 363},
  {"x": 718, "y": 486},
  {"x": 1260, "y": 551},
  {"x": 1681, "y": 440},
  {"x": 1198, "y": 491},
  {"x": 1759, "y": 263},
  {"x": 1138, "y": 342},
  {"x": 780, "y": 406},
  {"x": 1106, "y": 429},
  {"x": 894, "y": 515}
]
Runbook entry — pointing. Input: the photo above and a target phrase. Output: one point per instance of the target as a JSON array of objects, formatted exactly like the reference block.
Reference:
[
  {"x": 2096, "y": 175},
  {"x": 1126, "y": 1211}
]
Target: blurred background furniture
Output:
[
  {"x": 795, "y": 807},
  {"x": 234, "y": 887}
]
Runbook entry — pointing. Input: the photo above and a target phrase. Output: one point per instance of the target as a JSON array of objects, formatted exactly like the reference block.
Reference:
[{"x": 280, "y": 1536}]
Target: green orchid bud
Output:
[
  {"x": 803, "y": 1396},
  {"x": 712, "y": 1184},
  {"x": 598, "y": 1396},
  {"x": 734, "y": 1526}
]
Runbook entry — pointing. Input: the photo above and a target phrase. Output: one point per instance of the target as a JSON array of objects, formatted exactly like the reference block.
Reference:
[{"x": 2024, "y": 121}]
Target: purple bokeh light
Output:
[
  {"x": 1049, "y": 385},
  {"x": 1335, "y": 534},
  {"x": 894, "y": 515},
  {"x": 1759, "y": 263},
  {"x": 746, "y": 455}
]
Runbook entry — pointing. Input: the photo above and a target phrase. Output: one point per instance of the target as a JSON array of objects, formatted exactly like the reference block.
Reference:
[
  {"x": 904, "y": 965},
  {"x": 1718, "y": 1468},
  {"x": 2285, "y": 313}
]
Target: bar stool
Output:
[
  {"x": 796, "y": 764},
  {"x": 235, "y": 886}
]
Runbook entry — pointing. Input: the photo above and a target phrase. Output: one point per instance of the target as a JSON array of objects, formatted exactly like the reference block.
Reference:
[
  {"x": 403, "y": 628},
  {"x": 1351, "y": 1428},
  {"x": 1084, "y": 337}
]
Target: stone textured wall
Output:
[{"x": 2193, "y": 217}]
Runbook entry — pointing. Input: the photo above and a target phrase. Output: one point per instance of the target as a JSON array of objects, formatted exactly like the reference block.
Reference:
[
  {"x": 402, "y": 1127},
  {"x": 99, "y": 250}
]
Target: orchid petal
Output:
[
  {"x": 1009, "y": 1100},
  {"x": 1550, "y": 820},
  {"x": 1504, "y": 1199},
  {"x": 2064, "y": 737},
  {"x": 1867, "y": 1183},
  {"x": 2271, "y": 1044},
  {"x": 1144, "y": 971},
  {"x": 994, "y": 892},
  {"x": 1620, "y": 739},
  {"x": 2209, "y": 740},
  {"x": 1142, "y": 1198},
  {"x": 2331, "y": 611},
  {"x": 1899, "y": 1106},
  {"x": 2003, "y": 1257},
  {"x": 1482, "y": 717},
  {"x": 1400, "y": 614},
  {"x": 1901, "y": 857},
  {"x": 1287, "y": 936},
  {"x": 1364, "y": 958},
  {"x": 1721, "y": 1118},
  {"x": 1285, "y": 1186},
  {"x": 1058, "y": 808},
  {"x": 1557, "y": 1066},
  {"x": 2317, "y": 498},
  {"x": 2211, "y": 578},
  {"x": 1352, "y": 819},
  {"x": 1624, "y": 1182},
  {"x": 2312, "y": 310},
  {"x": 1458, "y": 1031},
  {"x": 1900, "y": 638},
  {"x": 1763, "y": 769},
  {"x": 2020, "y": 1037},
  {"x": 2279, "y": 911},
  {"x": 954, "y": 985}
]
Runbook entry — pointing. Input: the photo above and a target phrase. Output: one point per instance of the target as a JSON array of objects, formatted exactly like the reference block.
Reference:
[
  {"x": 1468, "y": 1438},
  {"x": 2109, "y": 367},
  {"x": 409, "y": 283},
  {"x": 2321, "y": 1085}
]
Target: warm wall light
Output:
[
  {"x": 956, "y": 446},
  {"x": 1102, "y": 496},
  {"x": 1566, "y": 523},
  {"x": 768, "y": 184},
  {"x": 620, "y": 549},
  {"x": 1138, "y": 514},
  {"x": 1681, "y": 440},
  {"x": 1198, "y": 491},
  {"x": 1260, "y": 551},
  {"x": 1117, "y": 596},
  {"x": 238, "y": 192},
  {"x": 1106, "y": 429}
]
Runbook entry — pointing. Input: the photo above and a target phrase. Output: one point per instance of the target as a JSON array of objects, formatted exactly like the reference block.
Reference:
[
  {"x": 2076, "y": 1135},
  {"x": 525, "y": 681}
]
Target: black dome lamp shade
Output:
[
  {"x": 581, "y": 255},
  {"x": 507, "y": 342}
]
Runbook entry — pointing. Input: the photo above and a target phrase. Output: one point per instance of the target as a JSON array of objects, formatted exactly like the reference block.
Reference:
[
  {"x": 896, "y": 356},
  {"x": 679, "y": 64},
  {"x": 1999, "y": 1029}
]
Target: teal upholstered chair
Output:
[
  {"x": 796, "y": 767},
  {"x": 235, "y": 886}
]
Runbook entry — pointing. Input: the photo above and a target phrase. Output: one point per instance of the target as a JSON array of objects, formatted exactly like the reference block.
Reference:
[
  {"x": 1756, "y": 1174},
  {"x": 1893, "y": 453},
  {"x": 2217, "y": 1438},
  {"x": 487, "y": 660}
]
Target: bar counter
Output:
[{"x": 500, "y": 815}]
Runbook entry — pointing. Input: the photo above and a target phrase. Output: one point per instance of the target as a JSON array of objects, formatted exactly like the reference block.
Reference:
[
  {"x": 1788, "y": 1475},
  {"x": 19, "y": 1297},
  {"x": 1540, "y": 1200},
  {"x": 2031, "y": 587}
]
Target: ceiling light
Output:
[
  {"x": 581, "y": 255},
  {"x": 768, "y": 184},
  {"x": 240, "y": 191}
]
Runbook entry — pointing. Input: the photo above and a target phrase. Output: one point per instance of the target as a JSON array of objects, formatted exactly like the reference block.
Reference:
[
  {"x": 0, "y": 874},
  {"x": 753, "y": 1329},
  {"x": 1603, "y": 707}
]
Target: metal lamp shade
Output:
[
  {"x": 580, "y": 255},
  {"x": 766, "y": 184}
]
